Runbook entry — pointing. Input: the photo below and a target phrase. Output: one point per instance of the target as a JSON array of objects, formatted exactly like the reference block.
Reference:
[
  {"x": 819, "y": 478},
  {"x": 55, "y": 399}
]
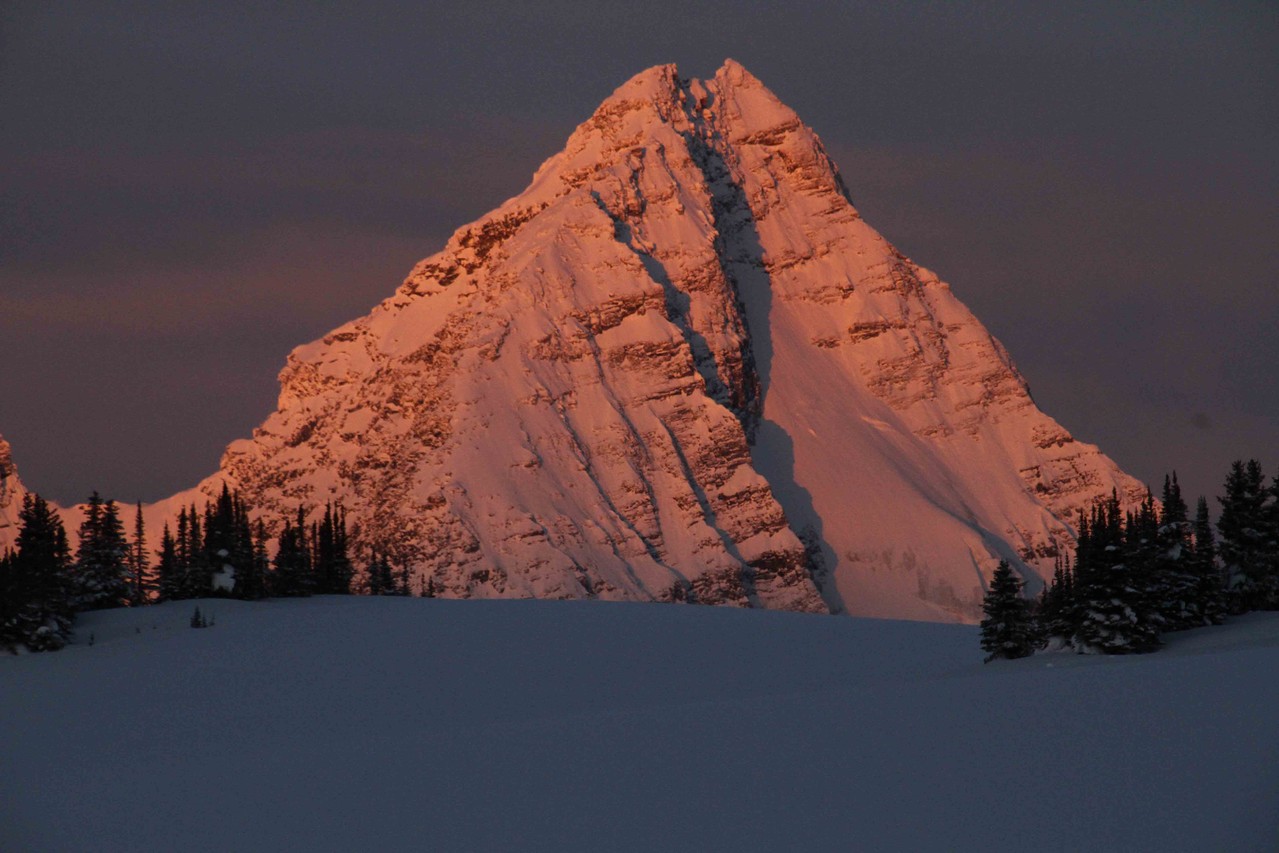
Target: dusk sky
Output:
[{"x": 189, "y": 194}]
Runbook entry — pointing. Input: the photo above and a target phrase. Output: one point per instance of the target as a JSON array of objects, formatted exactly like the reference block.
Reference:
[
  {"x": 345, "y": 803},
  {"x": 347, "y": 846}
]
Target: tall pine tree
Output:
[
  {"x": 141, "y": 583},
  {"x": 101, "y": 565},
  {"x": 1247, "y": 545},
  {"x": 1110, "y": 610},
  {"x": 1210, "y": 591},
  {"x": 36, "y": 580},
  {"x": 1174, "y": 584},
  {"x": 1008, "y": 631},
  {"x": 292, "y": 574}
]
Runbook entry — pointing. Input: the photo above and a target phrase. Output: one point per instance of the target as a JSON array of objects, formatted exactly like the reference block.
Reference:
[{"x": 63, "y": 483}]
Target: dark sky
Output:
[{"x": 186, "y": 194}]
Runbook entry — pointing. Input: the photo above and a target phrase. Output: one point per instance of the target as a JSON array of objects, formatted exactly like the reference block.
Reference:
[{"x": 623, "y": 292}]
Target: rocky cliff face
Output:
[
  {"x": 679, "y": 366},
  {"x": 11, "y": 493}
]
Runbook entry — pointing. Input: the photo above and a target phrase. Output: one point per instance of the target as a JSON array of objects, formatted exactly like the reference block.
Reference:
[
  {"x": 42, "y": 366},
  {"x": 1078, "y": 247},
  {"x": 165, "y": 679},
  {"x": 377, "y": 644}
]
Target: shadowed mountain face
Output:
[{"x": 679, "y": 366}]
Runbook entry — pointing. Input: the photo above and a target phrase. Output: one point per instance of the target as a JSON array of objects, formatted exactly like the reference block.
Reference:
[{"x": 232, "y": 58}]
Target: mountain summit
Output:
[{"x": 679, "y": 366}]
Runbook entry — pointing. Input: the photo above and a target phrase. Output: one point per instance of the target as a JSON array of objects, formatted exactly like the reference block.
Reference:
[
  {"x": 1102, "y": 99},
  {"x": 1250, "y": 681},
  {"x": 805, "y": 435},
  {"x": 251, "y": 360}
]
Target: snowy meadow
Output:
[{"x": 344, "y": 723}]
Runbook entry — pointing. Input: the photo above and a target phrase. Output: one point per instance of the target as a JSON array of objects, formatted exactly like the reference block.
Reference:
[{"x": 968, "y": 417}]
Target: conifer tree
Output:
[
  {"x": 1247, "y": 544},
  {"x": 290, "y": 576},
  {"x": 221, "y": 548},
  {"x": 251, "y": 562},
  {"x": 140, "y": 582},
  {"x": 324, "y": 553},
  {"x": 1141, "y": 549},
  {"x": 332, "y": 566},
  {"x": 197, "y": 573},
  {"x": 36, "y": 608},
  {"x": 168, "y": 573},
  {"x": 1008, "y": 630},
  {"x": 1175, "y": 585},
  {"x": 249, "y": 575},
  {"x": 10, "y": 600},
  {"x": 87, "y": 536},
  {"x": 102, "y": 572},
  {"x": 1110, "y": 607},
  {"x": 181, "y": 556},
  {"x": 1210, "y": 592},
  {"x": 1054, "y": 605},
  {"x": 255, "y": 580},
  {"x": 341, "y": 571},
  {"x": 401, "y": 585},
  {"x": 379, "y": 578}
]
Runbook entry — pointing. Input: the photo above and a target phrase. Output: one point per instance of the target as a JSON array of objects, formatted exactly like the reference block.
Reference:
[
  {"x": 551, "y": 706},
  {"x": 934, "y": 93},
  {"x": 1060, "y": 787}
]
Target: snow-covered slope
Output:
[
  {"x": 679, "y": 365},
  {"x": 411, "y": 724}
]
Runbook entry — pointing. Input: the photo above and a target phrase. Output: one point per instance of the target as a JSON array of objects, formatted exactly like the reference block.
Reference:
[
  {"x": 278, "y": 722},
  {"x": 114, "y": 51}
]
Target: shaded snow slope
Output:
[
  {"x": 678, "y": 366},
  {"x": 398, "y": 724}
]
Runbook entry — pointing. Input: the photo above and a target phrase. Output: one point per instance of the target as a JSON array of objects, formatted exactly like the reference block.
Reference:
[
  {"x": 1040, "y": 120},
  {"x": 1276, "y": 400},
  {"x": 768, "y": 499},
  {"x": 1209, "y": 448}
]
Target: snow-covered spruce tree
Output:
[
  {"x": 101, "y": 565},
  {"x": 1174, "y": 584},
  {"x": 85, "y": 591},
  {"x": 1110, "y": 607},
  {"x": 37, "y": 584},
  {"x": 1008, "y": 631},
  {"x": 1054, "y": 605},
  {"x": 1141, "y": 550},
  {"x": 1210, "y": 590},
  {"x": 223, "y": 549},
  {"x": 1247, "y": 544}
]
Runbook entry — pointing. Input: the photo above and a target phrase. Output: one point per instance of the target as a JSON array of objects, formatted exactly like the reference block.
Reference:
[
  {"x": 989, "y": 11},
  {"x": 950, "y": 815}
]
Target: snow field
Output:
[{"x": 384, "y": 724}]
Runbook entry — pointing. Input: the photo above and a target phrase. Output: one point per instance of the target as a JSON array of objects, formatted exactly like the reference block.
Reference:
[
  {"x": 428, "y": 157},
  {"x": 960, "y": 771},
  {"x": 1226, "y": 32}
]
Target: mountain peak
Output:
[
  {"x": 733, "y": 73},
  {"x": 679, "y": 366},
  {"x": 657, "y": 79}
]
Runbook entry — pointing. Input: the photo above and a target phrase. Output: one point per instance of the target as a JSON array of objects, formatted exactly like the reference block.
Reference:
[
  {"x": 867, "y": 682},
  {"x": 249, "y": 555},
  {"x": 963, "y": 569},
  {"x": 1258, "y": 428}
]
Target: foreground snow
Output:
[{"x": 356, "y": 723}]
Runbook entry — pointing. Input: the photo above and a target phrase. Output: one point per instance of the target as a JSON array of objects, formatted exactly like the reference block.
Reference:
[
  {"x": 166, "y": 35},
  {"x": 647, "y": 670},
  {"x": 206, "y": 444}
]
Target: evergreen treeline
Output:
[
  {"x": 1137, "y": 575},
  {"x": 215, "y": 551}
]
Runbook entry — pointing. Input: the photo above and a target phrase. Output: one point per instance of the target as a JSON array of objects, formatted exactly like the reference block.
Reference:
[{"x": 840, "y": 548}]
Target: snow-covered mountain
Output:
[{"x": 679, "y": 366}]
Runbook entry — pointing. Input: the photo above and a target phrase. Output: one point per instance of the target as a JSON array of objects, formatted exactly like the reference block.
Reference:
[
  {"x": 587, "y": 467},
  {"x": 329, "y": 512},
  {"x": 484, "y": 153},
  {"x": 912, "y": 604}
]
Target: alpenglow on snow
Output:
[{"x": 678, "y": 366}]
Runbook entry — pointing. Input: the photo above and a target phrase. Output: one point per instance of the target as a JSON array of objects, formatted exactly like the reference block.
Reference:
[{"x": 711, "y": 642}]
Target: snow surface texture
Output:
[
  {"x": 678, "y": 366},
  {"x": 416, "y": 724}
]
